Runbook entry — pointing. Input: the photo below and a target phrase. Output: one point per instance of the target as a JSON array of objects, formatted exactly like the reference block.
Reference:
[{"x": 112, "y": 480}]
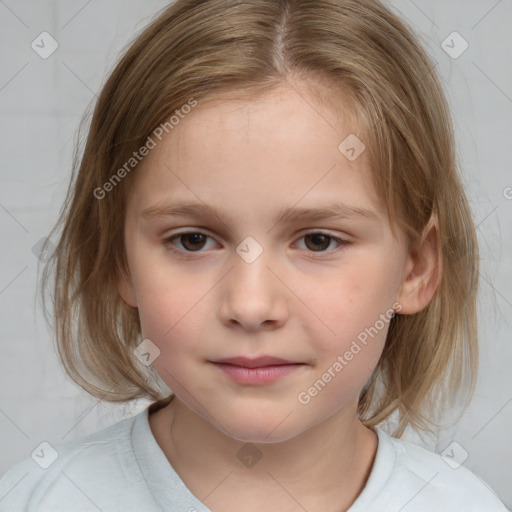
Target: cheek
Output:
[
  {"x": 346, "y": 321},
  {"x": 342, "y": 304},
  {"x": 170, "y": 309},
  {"x": 169, "y": 324},
  {"x": 345, "y": 363}
]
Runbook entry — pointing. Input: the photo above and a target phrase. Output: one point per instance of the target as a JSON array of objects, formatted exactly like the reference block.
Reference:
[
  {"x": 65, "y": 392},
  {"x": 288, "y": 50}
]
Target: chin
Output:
[
  {"x": 258, "y": 427},
  {"x": 253, "y": 434}
]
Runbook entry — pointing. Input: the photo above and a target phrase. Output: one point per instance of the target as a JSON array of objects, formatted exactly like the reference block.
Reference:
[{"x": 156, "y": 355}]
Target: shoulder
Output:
[
  {"x": 68, "y": 476},
  {"x": 427, "y": 481}
]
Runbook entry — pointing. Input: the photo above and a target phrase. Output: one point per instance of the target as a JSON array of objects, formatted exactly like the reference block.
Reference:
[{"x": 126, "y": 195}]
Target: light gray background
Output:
[{"x": 42, "y": 101}]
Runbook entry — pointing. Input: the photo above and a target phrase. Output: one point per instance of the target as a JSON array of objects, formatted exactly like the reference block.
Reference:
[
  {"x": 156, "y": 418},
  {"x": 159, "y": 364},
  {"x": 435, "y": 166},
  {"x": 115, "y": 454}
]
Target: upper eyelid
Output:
[
  {"x": 340, "y": 240},
  {"x": 302, "y": 232}
]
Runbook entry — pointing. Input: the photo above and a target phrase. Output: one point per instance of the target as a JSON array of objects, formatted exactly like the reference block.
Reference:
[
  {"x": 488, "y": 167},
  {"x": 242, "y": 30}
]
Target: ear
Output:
[
  {"x": 423, "y": 271},
  {"x": 126, "y": 289}
]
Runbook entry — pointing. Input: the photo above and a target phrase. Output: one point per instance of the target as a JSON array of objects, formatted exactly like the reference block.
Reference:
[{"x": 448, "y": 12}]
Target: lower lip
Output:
[{"x": 257, "y": 376}]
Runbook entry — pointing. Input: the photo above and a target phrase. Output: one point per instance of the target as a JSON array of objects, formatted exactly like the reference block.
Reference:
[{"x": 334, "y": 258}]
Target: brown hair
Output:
[{"x": 200, "y": 49}]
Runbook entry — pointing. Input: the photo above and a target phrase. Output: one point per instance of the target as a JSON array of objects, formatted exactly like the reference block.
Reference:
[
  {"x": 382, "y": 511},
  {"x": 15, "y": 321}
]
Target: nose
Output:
[{"x": 253, "y": 295}]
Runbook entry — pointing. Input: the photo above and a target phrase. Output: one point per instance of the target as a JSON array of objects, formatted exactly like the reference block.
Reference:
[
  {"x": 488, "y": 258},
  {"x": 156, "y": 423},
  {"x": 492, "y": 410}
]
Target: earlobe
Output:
[
  {"x": 423, "y": 271},
  {"x": 126, "y": 290}
]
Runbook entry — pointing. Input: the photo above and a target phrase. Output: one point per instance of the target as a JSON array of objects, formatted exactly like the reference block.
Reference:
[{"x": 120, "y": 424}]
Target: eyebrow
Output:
[{"x": 285, "y": 215}]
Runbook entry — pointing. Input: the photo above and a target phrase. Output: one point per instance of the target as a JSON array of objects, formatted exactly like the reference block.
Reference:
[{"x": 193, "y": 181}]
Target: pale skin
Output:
[{"x": 301, "y": 299}]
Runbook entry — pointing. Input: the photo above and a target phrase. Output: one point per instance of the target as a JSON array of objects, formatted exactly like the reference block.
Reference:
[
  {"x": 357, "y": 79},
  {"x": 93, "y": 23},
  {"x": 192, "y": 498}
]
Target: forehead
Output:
[
  {"x": 291, "y": 112},
  {"x": 283, "y": 145}
]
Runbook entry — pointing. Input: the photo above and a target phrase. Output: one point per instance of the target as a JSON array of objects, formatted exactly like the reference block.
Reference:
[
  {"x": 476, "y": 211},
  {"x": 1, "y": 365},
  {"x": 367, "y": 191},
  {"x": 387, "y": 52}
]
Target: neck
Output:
[{"x": 330, "y": 461}]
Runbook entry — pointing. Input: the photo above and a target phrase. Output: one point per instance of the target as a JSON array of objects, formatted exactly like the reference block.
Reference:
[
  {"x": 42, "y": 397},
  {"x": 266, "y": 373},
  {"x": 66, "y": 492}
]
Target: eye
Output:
[
  {"x": 321, "y": 240},
  {"x": 194, "y": 241}
]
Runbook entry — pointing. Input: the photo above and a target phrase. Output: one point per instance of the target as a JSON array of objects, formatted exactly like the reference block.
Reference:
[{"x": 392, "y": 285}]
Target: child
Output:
[{"x": 230, "y": 138}]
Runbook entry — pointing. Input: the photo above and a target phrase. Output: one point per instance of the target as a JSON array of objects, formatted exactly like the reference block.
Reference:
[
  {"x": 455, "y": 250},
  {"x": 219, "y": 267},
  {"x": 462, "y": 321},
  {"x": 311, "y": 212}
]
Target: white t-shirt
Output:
[{"x": 122, "y": 469}]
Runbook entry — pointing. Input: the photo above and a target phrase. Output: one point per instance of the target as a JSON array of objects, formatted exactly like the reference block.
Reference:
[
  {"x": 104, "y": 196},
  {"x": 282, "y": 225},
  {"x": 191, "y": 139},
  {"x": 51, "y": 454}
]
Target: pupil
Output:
[
  {"x": 196, "y": 239},
  {"x": 318, "y": 238}
]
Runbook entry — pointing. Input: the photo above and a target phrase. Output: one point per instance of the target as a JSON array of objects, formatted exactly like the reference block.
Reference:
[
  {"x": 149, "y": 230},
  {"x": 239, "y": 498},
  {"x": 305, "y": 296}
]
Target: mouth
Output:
[{"x": 257, "y": 371}]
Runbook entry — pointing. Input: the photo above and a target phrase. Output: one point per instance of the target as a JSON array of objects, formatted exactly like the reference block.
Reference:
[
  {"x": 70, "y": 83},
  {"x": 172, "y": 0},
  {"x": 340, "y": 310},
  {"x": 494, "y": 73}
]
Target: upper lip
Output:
[{"x": 257, "y": 362}]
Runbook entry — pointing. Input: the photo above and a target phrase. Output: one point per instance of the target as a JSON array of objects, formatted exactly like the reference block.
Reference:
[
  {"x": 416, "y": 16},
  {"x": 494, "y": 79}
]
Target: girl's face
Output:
[{"x": 271, "y": 273}]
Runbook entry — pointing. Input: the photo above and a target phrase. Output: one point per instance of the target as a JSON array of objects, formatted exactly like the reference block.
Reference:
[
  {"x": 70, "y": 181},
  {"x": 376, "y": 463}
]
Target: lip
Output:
[
  {"x": 256, "y": 371},
  {"x": 254, "y": 362}
]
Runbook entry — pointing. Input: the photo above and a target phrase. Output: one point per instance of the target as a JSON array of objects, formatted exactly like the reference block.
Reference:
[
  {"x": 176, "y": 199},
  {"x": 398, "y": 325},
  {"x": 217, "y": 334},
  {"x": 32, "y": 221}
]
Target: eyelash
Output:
[{"x": 185, "y": 253}]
